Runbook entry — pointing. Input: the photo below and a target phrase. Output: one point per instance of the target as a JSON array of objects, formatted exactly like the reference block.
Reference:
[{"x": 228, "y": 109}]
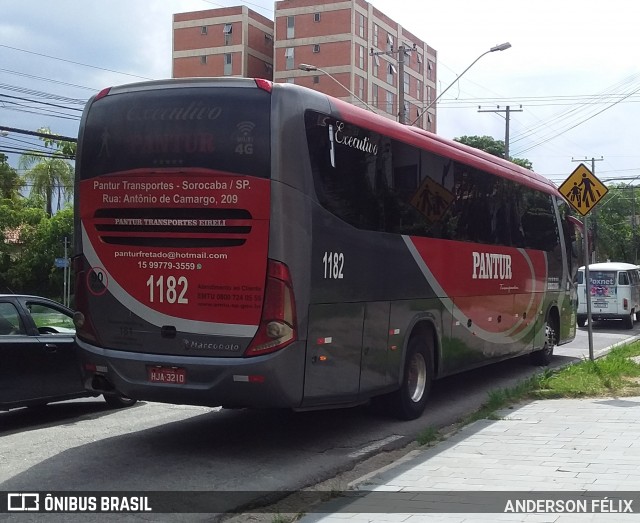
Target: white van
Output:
[{"x": 615, "y": 293}]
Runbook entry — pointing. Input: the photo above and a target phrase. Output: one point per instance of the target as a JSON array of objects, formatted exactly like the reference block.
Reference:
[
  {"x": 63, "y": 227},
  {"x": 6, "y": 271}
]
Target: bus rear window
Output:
[
  {"x": 217, "y": 128},
  {"x": 602, "y": 277}
]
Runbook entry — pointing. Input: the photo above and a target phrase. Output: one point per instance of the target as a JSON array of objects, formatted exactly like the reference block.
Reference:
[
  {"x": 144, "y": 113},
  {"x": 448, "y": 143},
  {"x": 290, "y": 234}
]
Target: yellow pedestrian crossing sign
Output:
[
  {"x": 583, "y": 190},
  {"x": 432, "y": 199}
]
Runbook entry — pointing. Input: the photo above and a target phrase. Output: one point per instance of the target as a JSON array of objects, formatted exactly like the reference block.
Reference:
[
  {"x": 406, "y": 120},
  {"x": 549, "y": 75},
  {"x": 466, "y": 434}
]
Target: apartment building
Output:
[
  {"x": 232, "y": 41},
  {"x": 347, "y": 49}
]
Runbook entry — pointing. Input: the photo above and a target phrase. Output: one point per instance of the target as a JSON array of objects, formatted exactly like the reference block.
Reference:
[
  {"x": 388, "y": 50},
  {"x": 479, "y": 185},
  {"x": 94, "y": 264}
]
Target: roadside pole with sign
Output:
[{"x": 583, "y": 191}]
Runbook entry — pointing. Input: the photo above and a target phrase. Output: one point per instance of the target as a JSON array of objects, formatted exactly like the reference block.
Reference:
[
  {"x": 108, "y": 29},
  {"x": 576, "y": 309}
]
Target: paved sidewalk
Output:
[{"x": 589, "y": 448}]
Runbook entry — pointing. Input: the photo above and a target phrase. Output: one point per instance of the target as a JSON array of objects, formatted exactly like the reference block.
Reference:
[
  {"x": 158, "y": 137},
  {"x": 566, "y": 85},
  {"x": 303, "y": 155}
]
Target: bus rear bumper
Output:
[{"x": 271, "y": 381}]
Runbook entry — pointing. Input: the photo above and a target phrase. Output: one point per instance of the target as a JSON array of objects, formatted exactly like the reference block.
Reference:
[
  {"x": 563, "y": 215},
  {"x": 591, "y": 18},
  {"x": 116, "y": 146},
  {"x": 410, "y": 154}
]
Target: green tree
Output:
[
  {"x": 492, "y": 146},
  {"x": 615, "y": 238},
  {"x": 50, "y": 177},
  {"x": 32, "y": 267},
  {"x": 10, "y": 181}
]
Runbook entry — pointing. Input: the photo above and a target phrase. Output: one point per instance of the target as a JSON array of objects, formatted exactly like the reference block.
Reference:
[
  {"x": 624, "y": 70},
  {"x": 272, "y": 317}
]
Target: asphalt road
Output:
[{"x": 83, "y": 446}]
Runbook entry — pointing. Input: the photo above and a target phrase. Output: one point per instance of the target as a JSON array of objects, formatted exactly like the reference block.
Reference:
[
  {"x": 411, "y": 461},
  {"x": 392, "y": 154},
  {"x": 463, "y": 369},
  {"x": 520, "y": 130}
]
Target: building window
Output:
[
  {"x": 228, "y": 64},
  {"x": 290, "y": 80},
  {"x": 290, "y": 26},
  {"x": 419, "y": 89},
  {"x": 316, "y": 48},
  {"x": 391, "y": 71},
  {"x": 316, "y": 17},
  {"x": 268, "y": 68},
  {"x": 268, "y": 39},
  {"x": 374, "y": 95},
  {"x": 360, "y": 87},
  {"x": 203, "y": 59},
  {"x": 389, "y": 42},
  {"x": 406, "y": 82},
  {"x": 203, "y": 30},
  {"x": 429, "y": 70},
  {"x": 389, "y": 102},
  {"x": 289, "y": 56},
  {"x": 361, "y": 57},
  {"x": 316, "y": 79},
  {"x": 360, "y": 25},
  {"x": 227, "y": 31},
  {"x": 375, "y": 35},
  {"x": 376, "y": 64}
]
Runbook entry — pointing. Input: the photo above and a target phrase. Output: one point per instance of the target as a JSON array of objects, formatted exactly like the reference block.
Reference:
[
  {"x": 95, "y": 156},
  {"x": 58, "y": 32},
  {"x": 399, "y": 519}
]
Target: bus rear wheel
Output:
[
  {"x": 582, "y": 320},
  {"x": 118, "y": 401},
  {"x": 542, "y": 357},
  {"x": 409, "y": 401}
]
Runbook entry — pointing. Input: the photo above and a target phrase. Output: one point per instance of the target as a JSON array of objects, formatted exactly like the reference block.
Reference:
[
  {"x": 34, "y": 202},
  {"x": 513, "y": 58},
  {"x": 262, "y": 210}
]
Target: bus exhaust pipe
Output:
[{"x": 101, "y": 384}]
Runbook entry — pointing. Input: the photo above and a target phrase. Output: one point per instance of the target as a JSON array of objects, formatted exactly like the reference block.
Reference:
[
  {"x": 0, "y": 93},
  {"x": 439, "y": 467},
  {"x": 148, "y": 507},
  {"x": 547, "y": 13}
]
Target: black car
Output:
[{"x": 38, "y": 362}]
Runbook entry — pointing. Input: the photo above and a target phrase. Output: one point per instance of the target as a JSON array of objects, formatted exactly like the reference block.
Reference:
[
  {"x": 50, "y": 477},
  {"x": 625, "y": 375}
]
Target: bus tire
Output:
[
  {"x": 116, "y": 401},
  {"x": 628, "y": 321},
  {"x": 409, "y": 401},
  {"x": 542, "y": 357},
  {"x": 581, "y": 320}
]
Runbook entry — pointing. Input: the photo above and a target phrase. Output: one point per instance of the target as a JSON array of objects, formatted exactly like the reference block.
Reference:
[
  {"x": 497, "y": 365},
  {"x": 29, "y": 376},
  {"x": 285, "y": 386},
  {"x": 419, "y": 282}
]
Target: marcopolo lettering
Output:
[{"x": 491, "y": 266}]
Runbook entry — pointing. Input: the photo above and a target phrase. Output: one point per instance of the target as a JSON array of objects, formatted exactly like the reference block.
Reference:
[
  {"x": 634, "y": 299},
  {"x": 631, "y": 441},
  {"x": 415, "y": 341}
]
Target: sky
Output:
[{"x": 571, "y": 77}]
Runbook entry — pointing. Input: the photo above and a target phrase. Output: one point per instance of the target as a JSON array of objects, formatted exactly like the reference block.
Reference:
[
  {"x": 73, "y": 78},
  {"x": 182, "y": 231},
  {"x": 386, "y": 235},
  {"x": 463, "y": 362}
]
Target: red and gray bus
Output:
[{"x": 243, "y": 243}]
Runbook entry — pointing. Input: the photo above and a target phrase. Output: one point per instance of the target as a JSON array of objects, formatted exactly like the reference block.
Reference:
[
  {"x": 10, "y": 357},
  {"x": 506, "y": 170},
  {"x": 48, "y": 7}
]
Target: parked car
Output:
[{"x": 38, "y": 361}]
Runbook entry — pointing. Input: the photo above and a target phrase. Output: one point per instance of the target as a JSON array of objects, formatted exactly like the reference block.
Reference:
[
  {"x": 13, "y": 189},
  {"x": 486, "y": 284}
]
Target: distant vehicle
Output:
[
  {"x": 38, "y": 361},
  {"x": 615, "y": 293}
]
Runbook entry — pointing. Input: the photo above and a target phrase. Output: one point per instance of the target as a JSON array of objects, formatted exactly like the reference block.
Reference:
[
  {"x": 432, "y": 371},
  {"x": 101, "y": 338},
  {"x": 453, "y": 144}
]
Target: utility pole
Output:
[
  {"x": 507, "y": 110},
  {"x": 401, "y": 52}
]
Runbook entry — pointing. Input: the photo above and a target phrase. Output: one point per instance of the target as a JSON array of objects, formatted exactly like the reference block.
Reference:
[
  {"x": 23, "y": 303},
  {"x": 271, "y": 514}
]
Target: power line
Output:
[
  {"x": 39, "y": 134},
  {"x": 74, "y": 63}
]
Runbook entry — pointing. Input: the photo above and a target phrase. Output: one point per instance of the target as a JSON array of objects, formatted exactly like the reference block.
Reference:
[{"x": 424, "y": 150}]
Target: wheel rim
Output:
[
  {"x": 549, "y": 339},
  {"x": 417, "y": 377}
]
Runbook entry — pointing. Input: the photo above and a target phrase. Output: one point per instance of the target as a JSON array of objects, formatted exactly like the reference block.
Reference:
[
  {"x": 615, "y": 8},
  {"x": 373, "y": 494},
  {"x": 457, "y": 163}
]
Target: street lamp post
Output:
[
  {"x": 500, "y": 47},
  {"x": 309, "y": 67}
]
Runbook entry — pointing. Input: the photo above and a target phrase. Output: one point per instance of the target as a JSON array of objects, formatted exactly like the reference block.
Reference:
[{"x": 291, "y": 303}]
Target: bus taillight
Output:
[
  {"x": 263, "y": 84},
  {"x": 278, "y": 322},
  {"x": 84, "y": 327},
  {"x": 103, "y": 93}
]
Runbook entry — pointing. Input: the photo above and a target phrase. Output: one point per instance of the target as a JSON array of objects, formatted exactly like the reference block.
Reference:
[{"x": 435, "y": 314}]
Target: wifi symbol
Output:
[{"x": 245, "y": 128}]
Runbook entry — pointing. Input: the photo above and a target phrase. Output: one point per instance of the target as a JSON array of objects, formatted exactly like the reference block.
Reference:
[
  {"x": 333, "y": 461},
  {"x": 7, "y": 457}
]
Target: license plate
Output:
[
  {"x": 170, "y": 375},
  {"x": 600, "y": 305}
]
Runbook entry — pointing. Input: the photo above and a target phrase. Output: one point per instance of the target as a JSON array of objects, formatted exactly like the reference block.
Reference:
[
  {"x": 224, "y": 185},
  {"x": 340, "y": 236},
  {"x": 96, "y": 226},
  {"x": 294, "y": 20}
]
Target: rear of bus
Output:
[{"x": 176, "y": 298}]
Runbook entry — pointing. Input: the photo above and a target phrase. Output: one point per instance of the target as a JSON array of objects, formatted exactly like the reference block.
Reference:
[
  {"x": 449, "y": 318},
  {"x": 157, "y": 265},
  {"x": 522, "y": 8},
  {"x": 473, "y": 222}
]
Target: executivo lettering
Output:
[{"x": 491, "y": 266}]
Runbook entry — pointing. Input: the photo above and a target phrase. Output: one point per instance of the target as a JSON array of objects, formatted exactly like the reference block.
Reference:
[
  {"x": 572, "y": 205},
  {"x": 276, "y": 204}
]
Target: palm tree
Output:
[{"x": 49, "y": 177}]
